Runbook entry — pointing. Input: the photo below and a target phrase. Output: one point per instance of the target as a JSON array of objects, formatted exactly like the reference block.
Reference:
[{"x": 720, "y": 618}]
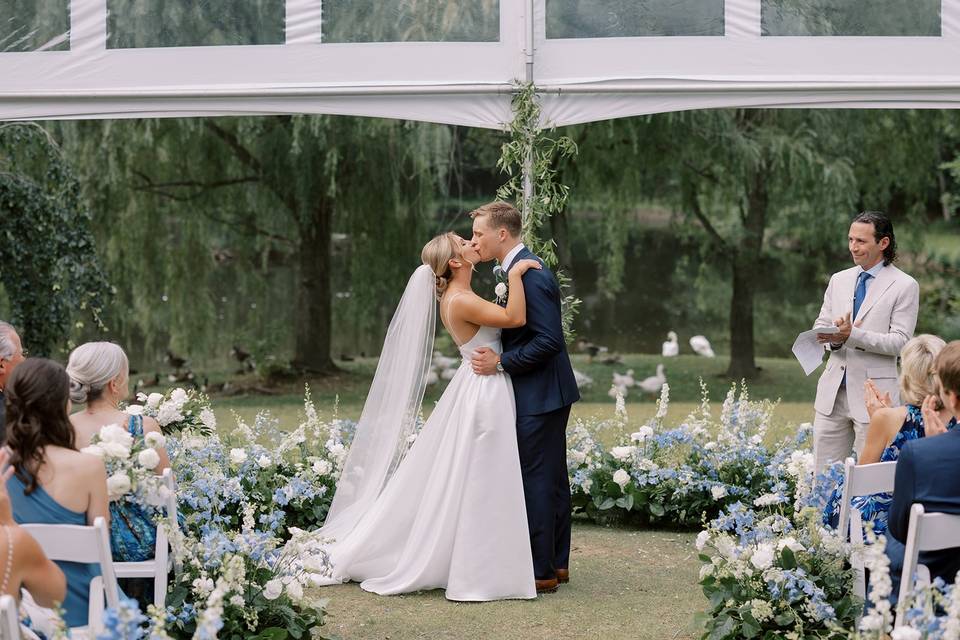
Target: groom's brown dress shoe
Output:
[
  {"x": 547, "y": 586},
  {"x": 563, "y": 576}
]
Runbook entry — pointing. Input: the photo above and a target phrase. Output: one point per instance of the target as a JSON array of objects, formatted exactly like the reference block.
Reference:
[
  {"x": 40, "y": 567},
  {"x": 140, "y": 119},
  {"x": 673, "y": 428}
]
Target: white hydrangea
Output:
[
  {"x": 134, "y": 410},
  {"x": 906, "y": 633},
  {"x": 702, "y": 538},
  {"x": 762, "y": 558},
  {"x": 154, "y": 400},
  {"x": 203, "y": 586},
  {"x": 238, "y": 456},
  {"x": 168, "y": 413},
  {"x": 178, "y": 396},
  {"x": 116, "y": 433}
]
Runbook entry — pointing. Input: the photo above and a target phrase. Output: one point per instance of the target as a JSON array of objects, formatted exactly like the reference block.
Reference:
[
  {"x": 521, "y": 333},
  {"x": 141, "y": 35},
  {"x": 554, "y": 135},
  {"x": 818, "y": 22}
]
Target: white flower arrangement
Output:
[{"x": 130, "y": 464}]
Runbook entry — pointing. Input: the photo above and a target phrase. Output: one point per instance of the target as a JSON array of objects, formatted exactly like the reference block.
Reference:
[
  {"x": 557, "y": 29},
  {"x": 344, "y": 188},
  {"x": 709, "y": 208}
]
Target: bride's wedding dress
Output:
[{"x": 452, "y": 514}]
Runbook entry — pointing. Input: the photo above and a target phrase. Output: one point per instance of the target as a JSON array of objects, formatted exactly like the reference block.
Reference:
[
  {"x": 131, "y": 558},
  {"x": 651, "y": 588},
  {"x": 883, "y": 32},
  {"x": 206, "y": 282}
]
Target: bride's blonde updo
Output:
[{"x": 437, "y": 255}]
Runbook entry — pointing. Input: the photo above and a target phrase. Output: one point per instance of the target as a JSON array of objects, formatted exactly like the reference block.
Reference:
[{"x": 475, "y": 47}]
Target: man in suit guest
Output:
[
  {"x": 928, "y": 473},
  {"x": 11, "y": 354},
  {"x": 874, "y": 304},
  {"x": 535, "y": 356}
]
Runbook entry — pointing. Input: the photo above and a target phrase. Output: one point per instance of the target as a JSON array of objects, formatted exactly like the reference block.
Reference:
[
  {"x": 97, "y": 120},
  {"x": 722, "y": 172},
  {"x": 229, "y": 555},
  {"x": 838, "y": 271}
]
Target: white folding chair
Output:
[
  {"x": 9, "y": 619},
  {"x": 861, "y": 480},
  {"x": 926, "y": 532},
  {"x": 159, "y": 565},
  {"x": 77, "y": 543}
]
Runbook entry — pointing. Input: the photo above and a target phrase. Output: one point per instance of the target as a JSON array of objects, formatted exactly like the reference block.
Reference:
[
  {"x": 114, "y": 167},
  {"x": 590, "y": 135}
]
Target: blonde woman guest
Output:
[
  {"x": 53, "y": 483},
  {"x": 99, "y": 379},
  {"x": 892, "y": 427}
]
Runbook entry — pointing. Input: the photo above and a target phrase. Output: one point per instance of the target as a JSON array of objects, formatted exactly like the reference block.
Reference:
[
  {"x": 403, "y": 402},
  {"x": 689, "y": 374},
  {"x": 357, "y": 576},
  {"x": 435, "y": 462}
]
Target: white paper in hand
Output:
[{"x": 808, "y": 351}]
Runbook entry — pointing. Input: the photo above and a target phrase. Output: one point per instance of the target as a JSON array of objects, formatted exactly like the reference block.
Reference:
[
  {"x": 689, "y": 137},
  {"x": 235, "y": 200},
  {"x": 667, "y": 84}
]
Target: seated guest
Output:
[
  {"x": 99, "y": 376},
  {"x": 53, "y": 483},
  {"x": 27, "y": 567},
  {"x": 928, "y": 473},
  {"x": 892, "y": 427},
  {"x": 11, "y": 354}
]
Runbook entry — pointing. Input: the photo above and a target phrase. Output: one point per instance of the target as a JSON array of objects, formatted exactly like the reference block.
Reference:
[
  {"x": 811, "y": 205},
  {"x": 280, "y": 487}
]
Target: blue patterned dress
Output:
[
  {"x": 133, "y": 534},
  {"x": 876, "y": 508}
]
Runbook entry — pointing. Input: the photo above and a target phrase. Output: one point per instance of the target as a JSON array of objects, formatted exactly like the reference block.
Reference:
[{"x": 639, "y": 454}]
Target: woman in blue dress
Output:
[
  {"x": 891, "y": 427},
  {"x": 99, "y": 379},
  {"x": 53, "y": 483}
]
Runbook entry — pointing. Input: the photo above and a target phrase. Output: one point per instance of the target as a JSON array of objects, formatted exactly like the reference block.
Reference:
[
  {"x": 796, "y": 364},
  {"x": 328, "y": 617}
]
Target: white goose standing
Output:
[
  {"x": 671, "y": 348},
  {"x": 653, "y": 384}
]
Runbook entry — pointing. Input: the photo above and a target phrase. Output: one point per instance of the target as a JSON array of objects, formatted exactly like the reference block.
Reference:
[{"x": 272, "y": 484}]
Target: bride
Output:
[{"x": 448, "y": 511}]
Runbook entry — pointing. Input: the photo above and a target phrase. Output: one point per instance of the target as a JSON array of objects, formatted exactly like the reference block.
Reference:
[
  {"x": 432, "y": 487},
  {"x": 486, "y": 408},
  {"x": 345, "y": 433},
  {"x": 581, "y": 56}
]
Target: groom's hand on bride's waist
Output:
[{"x": 484, "y": 361}]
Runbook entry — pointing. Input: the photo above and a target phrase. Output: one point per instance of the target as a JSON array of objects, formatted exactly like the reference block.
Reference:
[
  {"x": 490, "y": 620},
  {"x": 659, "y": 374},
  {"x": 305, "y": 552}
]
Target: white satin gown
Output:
[{"x": 452, "y": 516}]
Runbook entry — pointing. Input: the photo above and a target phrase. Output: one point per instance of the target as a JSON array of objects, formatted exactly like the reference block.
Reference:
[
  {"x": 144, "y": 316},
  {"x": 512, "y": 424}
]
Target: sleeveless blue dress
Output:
[
  {"x": 876, "y": 508},
  {"x": 133, "y": 534},
  {"x": 39, "y": 508}
]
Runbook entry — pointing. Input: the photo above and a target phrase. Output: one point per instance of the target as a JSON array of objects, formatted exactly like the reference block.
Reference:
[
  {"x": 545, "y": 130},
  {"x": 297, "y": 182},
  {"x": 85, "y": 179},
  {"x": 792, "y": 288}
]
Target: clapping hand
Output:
[
  {"x": 932, "y": 423},
  {"x": 874, "y": 399}
]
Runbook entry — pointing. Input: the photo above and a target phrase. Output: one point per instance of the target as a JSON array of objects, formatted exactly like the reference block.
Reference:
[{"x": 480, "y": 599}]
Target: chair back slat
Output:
[
  {"x": 926, "y": 532},
  {"x": 868, "y": 479}
]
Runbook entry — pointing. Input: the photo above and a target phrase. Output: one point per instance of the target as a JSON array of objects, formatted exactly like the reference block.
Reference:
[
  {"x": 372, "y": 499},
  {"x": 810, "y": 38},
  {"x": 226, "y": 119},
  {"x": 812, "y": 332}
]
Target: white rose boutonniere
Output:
[{"x": 501, "y": 291}]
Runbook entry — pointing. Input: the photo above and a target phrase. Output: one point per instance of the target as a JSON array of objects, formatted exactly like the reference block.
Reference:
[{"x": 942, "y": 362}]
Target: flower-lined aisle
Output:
[{"x": 250, "y": 496}]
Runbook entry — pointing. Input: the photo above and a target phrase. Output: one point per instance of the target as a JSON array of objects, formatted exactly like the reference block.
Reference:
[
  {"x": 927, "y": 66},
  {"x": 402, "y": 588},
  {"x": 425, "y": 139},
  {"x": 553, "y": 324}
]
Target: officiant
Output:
[{"x": 874, "y": 305}]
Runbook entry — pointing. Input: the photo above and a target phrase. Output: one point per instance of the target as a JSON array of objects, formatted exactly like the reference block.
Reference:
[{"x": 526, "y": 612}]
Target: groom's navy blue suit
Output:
[{"x": 535, "y": 356}]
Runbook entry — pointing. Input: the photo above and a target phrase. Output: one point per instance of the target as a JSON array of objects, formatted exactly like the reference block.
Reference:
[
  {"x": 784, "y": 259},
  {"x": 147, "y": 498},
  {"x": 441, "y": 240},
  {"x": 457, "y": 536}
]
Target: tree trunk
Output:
[
  {"x": 745, "y": 262},
  {"x": 314, "y": 308}
]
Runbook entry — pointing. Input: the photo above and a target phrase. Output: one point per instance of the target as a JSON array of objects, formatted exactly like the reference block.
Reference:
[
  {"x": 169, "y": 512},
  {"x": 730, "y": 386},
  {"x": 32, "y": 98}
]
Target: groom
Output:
[{"x": 535, "y": 356}]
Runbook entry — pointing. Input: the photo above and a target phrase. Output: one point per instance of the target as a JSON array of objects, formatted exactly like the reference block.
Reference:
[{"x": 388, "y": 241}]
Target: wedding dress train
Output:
[{"x": 452, "y": 515}]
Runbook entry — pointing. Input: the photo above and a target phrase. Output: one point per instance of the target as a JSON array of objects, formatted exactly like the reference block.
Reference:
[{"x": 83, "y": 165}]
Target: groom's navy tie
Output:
[{"x": 858, "y": 295}]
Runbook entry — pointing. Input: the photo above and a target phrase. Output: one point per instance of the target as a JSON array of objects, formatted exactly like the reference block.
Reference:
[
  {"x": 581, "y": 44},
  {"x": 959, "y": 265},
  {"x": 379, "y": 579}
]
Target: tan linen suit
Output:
[{"x": 889, "y": 316}]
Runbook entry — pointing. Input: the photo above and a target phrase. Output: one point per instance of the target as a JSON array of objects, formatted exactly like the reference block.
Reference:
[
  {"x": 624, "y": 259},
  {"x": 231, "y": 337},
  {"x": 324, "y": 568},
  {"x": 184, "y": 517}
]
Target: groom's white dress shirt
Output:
[
  {"x": 511, "y": 256},
  {"x": 887, "y": 318}
]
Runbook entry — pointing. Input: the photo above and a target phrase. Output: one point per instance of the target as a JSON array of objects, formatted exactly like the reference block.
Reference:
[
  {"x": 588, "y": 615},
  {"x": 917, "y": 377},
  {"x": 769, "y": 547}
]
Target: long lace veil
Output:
[{"x": 393, "y": 403}]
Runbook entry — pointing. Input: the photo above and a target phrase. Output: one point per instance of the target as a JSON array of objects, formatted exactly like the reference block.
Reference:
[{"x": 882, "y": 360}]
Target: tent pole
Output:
[{"x": 528, "y": 155}]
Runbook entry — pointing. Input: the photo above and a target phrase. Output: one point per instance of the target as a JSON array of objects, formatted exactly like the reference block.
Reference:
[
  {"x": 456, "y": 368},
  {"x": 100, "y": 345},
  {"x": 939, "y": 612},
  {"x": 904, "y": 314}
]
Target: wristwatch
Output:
[{"x": 499, "y": 365}]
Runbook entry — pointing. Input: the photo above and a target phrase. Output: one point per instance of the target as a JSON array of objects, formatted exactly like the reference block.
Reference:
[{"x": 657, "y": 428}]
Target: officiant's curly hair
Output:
[
  {"x": 37, "y": 395},
  {"x": 501, "y": 215},
  {"x": 882, "y": 228},
  {"x": 437, "y": 255}
]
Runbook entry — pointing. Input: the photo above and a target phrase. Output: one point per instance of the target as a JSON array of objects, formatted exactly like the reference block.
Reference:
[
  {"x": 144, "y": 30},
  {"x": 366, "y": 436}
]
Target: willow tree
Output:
[
  {"x": 750, "y": 182},
  {"x": 180, "y": 196},
  {"x": 48, "y": 266}
]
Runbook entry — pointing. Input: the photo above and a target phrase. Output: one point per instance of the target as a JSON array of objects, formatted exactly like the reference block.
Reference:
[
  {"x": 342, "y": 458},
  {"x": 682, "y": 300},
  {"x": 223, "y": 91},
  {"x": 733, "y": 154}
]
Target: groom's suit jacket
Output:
[
  {"x": 889, "y": 316},
  {"x": 535, "y": 355}
]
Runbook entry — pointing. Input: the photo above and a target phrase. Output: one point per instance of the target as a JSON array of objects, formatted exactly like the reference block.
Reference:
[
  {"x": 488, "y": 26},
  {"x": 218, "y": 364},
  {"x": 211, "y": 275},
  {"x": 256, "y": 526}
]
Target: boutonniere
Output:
[{"x": 501, "y": 289}]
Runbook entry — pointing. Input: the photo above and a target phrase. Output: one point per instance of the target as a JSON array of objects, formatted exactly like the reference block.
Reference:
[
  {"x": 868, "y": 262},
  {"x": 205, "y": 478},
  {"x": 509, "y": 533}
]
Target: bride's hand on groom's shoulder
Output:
[{"x": 525, "y": 265}]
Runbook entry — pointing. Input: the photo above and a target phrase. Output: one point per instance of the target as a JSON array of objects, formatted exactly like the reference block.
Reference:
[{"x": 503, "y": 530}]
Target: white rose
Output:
[
  {"x": 718, "y": 491},
  {"x": 154, "y": 400},
  {"x": 702, "y": 538},
  {"x": 237, "y": 601},
  {"x": 115, "y": 450},
  {"x": 762, "y": 558},
  {"x": 322, "y": 467},
  {"x": 168, "y": 413},
  {"x": 791, "y": 543},
  {"x": 710, "y": 446},
  {"x": 577, "y": 456},
  {"x": 118, "y": 484},
  {"x": 141, "y": 396},
  {"x": 622, "y": 478},
  {"x": 273, "y": 589},
  {"x": 134, "y": 409},
  {"x": 154, "y": 439},
  {"x": 622, "y": 453},
  {"x": 203, "y": 586},
  {"x": 148, "y": 459},
  {"x": 500, "y": 289},
  {"x": 587, "y": 485},
  {"x": 116, "y": 433},
  {"x": 94, "y": 450},
  {"x": 238, "y": 456},
  {"x": 209, "y": 419},
  {"x": 294, "y": 590},
  {"x": 641, "y": 434},
  {"x": 264, "y": 461},
  {"x": 178, "y": 396}
]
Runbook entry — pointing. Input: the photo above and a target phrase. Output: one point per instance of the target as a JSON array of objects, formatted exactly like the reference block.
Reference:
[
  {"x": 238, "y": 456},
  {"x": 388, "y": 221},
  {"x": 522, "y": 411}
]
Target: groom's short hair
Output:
[
  {"x": 948, "y": 367},
  {"x": 501, "y": 215}
]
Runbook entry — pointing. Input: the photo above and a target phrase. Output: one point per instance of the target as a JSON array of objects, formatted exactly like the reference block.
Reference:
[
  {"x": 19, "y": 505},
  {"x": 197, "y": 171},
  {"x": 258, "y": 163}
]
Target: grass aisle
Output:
[{"x": 626, "y": 584}]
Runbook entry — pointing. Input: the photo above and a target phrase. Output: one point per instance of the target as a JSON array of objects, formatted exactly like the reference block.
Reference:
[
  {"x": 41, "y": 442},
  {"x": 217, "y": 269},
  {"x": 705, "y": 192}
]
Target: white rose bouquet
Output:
[
  {"x": 177, "y": 410},
  {"x": 130, "y": 463}
]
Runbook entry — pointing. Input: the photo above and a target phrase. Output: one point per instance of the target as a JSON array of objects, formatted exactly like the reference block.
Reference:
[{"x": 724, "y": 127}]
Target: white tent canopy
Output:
[{"x": 457, "y": 62}]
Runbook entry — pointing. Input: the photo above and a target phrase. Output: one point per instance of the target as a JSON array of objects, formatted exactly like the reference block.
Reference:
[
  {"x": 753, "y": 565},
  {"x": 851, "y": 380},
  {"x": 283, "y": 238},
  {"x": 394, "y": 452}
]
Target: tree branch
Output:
[
  {"x": 694, "y": 203},
  {"x": 160, "y": 188}
]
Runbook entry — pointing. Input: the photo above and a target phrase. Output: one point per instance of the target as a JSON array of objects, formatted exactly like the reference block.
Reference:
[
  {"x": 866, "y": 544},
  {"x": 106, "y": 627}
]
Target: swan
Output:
[
  {"x": 702, "y": 346},
  {"x": 653, "y": 384},
  {"x": 671, "y": 348}
]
